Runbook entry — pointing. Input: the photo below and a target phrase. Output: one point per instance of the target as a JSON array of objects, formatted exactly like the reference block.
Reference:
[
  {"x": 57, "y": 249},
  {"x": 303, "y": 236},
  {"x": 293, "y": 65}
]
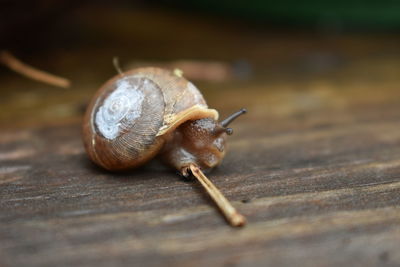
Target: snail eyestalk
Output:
[
  {"x": 229, "y": 131},
  {"x": 220, "y": 130},
  {"x": 231, "y": 214},
  {"x": 232, "y": 117}
]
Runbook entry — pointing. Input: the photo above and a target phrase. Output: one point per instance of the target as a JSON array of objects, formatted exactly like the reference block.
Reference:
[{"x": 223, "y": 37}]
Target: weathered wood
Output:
[
  {"x": 314, "y": 166},
  {"x": 322, "y": 188}
]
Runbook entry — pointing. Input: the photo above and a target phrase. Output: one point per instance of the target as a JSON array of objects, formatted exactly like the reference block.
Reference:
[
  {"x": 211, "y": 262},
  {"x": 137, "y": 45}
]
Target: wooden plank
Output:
[{"x": 322, "y": 188}]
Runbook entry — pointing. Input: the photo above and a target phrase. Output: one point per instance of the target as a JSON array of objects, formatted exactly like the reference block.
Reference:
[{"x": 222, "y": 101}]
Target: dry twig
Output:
[
  {"x": 16, "y": 65},
  {"x": 231, "y": 214}
]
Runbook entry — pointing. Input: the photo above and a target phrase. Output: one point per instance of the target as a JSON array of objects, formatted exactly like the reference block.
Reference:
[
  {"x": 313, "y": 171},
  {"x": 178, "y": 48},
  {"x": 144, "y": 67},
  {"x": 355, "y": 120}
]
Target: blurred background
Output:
[{"x": 244, "y": 50}]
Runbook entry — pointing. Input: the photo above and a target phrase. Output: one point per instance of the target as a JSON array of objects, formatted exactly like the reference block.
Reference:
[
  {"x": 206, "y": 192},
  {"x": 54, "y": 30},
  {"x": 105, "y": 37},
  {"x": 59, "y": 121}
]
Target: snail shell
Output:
[{"x": 131, "y": 116}]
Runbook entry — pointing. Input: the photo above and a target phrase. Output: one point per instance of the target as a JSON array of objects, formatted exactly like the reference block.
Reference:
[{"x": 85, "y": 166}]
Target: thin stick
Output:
[
  {"x": 231, "y": 214},
  {"x": 16, "y": 65},
  {"x": 117, "y": 66}
]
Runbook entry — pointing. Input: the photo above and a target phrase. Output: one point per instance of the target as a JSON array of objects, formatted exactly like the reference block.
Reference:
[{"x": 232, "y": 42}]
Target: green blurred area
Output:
[{"x": 343, "y": 15}]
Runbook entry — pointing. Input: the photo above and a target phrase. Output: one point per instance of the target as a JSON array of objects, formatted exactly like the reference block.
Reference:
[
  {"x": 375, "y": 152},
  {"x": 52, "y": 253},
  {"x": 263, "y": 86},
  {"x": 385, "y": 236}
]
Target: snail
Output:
[{"x": 148, "y": 112}]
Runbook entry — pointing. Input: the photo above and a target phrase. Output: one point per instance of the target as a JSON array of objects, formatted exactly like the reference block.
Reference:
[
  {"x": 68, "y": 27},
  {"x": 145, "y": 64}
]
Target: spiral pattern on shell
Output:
[{"x": 125, "y": 103}]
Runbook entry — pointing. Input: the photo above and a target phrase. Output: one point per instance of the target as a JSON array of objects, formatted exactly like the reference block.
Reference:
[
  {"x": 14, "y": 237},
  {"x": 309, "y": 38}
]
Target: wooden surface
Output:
[{"x": 314, "y": 166}]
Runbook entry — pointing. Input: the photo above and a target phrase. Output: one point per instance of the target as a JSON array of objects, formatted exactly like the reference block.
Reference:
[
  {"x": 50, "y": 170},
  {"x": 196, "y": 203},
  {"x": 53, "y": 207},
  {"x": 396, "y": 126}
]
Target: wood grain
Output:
[{"x": 319, "y": 189}]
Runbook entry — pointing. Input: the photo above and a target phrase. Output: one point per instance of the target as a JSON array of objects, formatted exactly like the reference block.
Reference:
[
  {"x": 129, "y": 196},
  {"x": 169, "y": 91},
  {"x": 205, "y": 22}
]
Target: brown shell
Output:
[{"x": 128, "y": 119}]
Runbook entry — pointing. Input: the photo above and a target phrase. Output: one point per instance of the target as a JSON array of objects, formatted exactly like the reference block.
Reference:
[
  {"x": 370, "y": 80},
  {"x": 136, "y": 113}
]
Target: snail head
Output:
[{"x": 205, "y": 139}]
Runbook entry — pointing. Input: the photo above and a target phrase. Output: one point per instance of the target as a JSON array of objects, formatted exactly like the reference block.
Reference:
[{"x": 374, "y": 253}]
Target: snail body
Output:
[
  {"x": 149, "y": 111},
  {"x": 146, "y": 112}
]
